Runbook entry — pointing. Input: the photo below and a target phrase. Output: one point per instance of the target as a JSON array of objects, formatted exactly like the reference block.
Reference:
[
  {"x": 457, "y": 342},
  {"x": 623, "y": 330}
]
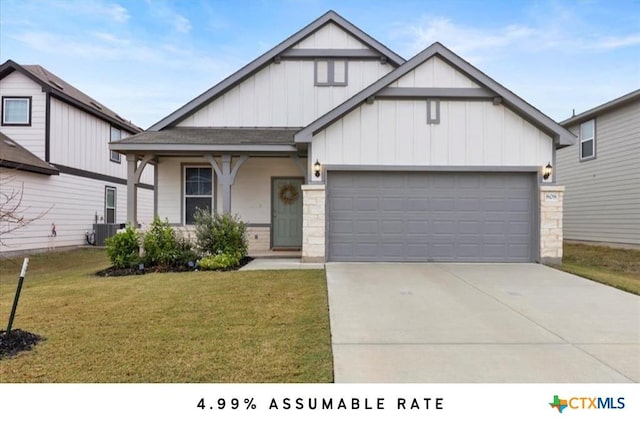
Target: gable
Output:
[
  {"x": 434, "y": 72},
  {"x": 330, "y": 36}
]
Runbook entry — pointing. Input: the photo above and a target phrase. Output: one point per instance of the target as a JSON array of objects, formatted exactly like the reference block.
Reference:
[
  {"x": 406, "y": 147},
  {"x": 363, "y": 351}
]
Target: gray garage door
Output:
[{"x": 439, "y": 217}]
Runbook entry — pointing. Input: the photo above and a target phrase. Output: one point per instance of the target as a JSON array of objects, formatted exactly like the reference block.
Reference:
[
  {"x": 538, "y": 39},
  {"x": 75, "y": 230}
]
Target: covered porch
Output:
[{"x": 256, "y": 174}]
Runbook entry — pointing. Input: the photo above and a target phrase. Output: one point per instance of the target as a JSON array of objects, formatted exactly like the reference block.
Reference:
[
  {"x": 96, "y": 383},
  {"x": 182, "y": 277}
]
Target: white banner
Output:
[{"x": 330, "y": 404}]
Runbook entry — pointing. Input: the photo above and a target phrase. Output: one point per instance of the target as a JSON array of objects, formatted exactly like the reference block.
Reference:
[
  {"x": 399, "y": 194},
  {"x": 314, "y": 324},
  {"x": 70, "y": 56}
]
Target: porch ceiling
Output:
[{"x": 193, "y": 140}]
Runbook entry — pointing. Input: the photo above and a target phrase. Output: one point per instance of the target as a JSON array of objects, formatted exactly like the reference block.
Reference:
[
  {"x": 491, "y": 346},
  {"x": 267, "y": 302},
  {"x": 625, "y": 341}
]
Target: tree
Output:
[{"x": 13, "y": 214}]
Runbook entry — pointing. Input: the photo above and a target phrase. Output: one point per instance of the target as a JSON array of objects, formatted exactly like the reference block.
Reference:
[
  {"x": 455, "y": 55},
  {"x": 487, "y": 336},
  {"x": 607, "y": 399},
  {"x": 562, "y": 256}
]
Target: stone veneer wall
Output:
[
  {"x": 260, "y": 244},
  {"x": 551, "y": 224},
  {"x": 313, "y": 223}
]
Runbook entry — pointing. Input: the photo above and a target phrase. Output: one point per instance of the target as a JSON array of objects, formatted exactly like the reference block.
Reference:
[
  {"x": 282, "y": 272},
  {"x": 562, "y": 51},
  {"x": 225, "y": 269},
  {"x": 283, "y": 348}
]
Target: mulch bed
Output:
[
  {"x": 112, "y": 271},
  {"x": 17, "y": 341}
]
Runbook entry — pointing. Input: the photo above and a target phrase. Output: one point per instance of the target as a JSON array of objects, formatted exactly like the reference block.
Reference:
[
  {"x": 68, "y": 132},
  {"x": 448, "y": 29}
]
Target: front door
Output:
[{"x": 286, "y": 212}]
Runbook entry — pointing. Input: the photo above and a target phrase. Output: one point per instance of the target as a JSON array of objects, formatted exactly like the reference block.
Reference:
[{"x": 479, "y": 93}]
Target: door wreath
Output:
[{"x": 288, "y": 194}]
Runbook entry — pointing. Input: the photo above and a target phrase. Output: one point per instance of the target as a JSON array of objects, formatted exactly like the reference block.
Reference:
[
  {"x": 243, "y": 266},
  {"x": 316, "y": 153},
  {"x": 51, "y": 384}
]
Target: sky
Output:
[{"x": 146, "y": 58}]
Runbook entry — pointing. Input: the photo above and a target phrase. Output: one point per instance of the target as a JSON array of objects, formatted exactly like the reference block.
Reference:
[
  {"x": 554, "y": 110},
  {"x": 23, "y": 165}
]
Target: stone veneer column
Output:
[
  {"x": 551, "y": 224},
  {"x": 313, "y": 223}
]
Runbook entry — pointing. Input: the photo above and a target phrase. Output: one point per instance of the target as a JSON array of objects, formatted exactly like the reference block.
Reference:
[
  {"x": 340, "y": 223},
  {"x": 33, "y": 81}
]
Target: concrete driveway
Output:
[{"x": 464, "y": 323}]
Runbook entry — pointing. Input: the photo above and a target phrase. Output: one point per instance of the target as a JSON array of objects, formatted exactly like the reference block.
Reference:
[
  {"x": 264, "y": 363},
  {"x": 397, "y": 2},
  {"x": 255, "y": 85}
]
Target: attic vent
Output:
[
  {"x": 55, "y": 83},
  {"x": 96, "y": 105},
  {"x": 10, "y": 143},
  {"x": 120, "y": 118}
]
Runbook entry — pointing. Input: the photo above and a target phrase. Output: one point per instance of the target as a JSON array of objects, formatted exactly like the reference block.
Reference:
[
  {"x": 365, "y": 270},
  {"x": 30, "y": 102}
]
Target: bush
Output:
[
  {"x": 160, "y": 244},
  {"x": 123, "y": 248},
  {"x": 218, "y": 234},
  {"x": 185, "y": 253},
  {"x": 220, "y": 261}
]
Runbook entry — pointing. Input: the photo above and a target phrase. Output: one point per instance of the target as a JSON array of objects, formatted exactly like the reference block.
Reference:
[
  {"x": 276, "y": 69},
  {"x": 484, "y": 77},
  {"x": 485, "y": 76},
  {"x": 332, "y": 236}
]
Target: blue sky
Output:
[{"x": 146, "y": 58}]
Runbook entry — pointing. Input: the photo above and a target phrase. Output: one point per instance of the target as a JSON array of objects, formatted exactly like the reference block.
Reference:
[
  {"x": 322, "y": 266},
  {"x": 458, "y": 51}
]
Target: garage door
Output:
[{"x": 439, "y": 217}]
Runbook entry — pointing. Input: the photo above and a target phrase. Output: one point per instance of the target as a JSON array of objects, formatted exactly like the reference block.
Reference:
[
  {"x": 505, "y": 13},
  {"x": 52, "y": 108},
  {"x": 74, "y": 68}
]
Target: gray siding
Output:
[{"x": 602, "y": 198}]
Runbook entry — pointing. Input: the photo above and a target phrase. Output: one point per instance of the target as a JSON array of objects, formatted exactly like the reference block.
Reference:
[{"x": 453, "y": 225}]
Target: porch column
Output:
[
  {"x": 132, "y": 191},
  {"x": 313, "y": 223},
  {"x": 551, "y": 236},
  {"x": 226, "y": 176}
]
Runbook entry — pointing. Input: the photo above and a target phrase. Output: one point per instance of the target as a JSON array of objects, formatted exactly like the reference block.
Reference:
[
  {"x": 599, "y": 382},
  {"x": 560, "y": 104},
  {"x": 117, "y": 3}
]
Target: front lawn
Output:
[
  {"x": 616, "y": 267},
  {"x": 212, "y": 327}
]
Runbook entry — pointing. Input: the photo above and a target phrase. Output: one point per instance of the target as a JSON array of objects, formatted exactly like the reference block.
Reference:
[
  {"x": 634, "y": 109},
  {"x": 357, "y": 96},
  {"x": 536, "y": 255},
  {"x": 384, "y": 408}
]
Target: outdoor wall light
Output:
[
  {"x": 547, "y": 171},
  {"x": 316, "y": 168}
]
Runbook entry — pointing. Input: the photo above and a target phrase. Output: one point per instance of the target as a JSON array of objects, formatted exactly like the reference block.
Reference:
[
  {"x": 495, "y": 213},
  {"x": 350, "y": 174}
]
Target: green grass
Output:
[
  {"x": 616, "y": 267},
  {"x": 212, "y": 327}
]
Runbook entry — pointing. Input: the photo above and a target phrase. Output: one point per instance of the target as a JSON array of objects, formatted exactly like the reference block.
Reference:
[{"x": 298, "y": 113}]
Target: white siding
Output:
[
  {"x": 30, "y": 137},
  {"x": 434, "y": 73},
  {"x": 395, "y": 132},
  {"x": 602, "y": 196},
  {"x": 250, "y": 195},
  {"x": 330, "y": 36},
  {"x": 70, "y": 202},
  {"x": 81, "y": 140},
  {"x": 283, "y": 95}
]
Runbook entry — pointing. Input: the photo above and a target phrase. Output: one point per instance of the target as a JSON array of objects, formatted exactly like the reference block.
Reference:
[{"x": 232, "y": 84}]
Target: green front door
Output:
[{"x": 286, "y": 211}]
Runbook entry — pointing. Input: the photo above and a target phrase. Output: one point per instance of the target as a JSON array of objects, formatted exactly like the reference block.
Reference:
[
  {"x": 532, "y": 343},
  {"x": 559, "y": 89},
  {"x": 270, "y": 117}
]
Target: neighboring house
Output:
[
  {"x": 333, "y": 144},
  {"x": 601, "y": 173},
  {"x": 55, "y": 154}
]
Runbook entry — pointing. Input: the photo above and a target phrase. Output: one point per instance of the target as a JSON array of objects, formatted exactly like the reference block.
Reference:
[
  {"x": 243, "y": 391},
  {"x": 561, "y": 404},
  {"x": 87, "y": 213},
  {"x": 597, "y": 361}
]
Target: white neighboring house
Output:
[
  {"x": 55, "y": 153},
  {"x": 333, "y": 144},
  {"x": 601, "y": 173}
]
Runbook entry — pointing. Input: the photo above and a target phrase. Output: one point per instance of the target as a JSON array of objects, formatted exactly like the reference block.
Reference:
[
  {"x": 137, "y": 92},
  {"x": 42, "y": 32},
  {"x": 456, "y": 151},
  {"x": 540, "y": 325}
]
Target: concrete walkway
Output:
[
  {"x": 273, "y": 263},
  {"x": 496, "y": 323}
]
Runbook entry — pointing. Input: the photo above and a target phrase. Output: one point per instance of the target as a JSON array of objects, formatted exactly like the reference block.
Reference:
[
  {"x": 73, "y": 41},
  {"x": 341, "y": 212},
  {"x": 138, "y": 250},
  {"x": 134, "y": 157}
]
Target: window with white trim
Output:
[
  {"x": 198, "y": 191},
  {"x": 331, "y": 72},
  {"x": 110, "y": 204},
  {"x": 16, "y": 111},
  {"x": 116, "y": 135},
  {"x": 588, "y": 140}
]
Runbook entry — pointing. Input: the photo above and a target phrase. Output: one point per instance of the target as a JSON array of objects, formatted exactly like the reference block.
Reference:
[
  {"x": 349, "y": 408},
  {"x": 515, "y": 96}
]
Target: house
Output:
[
  {"x": 601, "y": 173},
  {"x": 55, "y": 161},
  {"x": 333, "y": 144}
]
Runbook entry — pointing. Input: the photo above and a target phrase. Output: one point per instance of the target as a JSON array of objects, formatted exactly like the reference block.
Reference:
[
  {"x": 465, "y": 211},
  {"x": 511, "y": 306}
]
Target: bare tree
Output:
[{"x": 13, "y": 214}]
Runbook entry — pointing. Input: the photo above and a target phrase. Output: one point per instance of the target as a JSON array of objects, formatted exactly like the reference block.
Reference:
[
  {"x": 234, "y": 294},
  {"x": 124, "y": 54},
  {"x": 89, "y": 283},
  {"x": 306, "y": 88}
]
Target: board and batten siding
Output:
[
  {"x": 30, "y": 137},
  {"x": 250, "y": 194},
  {"x": 71, "y": 202},
  {"x": 396, "y": 133},
  {"x": 602, "y": 196},
  {"x": 434, "y": 72},
  {"x": 81, "y": 141},
  {"x": 330, "y": 36},
  {"x": 283, "y": 95}
]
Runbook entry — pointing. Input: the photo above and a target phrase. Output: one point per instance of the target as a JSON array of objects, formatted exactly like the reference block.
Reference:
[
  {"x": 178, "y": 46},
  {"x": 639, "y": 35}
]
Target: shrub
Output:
[
  {"x": 185, "y": 253},
  {"x": 217, "y": 234},
  {"x": 220, "y": 261},
  {"x": 160, "y": 244},
  {"x": 123, "y": 248}
]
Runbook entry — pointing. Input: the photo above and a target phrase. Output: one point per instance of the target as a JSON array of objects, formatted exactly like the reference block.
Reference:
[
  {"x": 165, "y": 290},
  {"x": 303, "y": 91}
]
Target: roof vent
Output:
[
  {"x": 96, "y": 105},
  {"x": 55, "y": 83},
  {"x": 120, "y": 118}
]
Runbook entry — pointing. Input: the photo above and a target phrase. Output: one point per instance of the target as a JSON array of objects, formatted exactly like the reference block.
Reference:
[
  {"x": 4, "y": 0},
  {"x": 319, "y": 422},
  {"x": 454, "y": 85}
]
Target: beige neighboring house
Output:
[
  {"x": 332, "y": 144},
  {"x": 54, "y": 152},
  {"x": 601, "y": 173}
]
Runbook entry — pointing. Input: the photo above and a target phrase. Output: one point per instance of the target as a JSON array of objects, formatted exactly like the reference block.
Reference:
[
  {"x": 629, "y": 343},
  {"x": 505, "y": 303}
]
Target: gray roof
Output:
[
  {"x": 202, "y": 139},
  {"x": 561, "y": 136},
  {"x": 15, "y": 156},
  {"x": 606, "y": 107},
  {"x": 68, "y": 93},
  {"x": 267, "y": 57}
]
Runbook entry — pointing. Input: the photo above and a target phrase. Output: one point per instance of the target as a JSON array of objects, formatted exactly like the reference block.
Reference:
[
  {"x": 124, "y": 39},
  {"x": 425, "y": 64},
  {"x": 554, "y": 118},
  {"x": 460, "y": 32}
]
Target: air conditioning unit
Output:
[{"x": 106, "y": 230}]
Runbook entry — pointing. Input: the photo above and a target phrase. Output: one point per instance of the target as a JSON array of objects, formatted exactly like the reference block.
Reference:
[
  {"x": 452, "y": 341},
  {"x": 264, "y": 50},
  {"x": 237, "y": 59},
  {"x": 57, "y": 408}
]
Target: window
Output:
[
  {"x": 110, "y": 204},
  {"x": 116, "y": 134},
  {"x": 587, "y": 140},
  {"x": 16, "y": 111},
  {"x": 331, "y": 72},
  {"x": 198, "y": 191}
]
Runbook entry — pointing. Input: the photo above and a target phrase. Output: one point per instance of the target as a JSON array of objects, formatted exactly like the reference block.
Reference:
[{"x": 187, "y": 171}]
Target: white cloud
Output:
[
  {"x": 617, "y": 42},
  {"x": 178, "y": 22},
  {"x": 117, "y": 12}
]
